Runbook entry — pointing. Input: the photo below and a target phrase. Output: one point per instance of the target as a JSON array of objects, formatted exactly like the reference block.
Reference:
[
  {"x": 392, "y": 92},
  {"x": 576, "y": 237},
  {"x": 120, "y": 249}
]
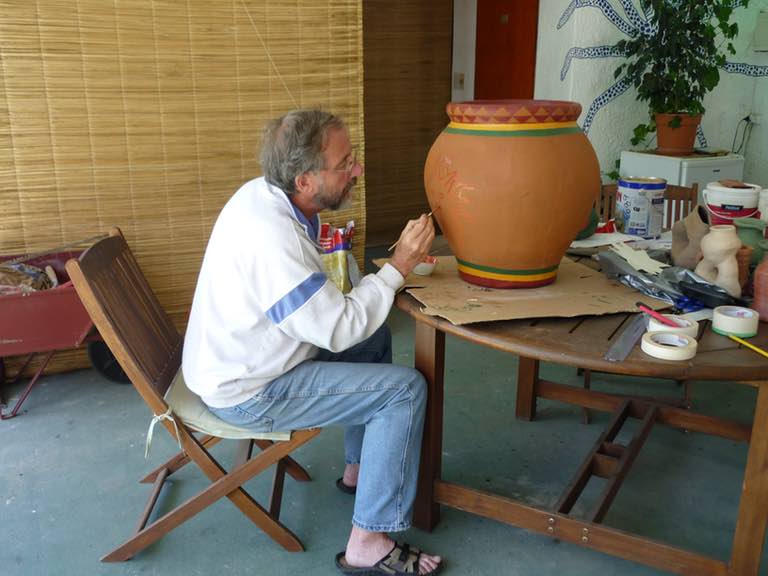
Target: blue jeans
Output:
[{"x": 380, "y": 404}]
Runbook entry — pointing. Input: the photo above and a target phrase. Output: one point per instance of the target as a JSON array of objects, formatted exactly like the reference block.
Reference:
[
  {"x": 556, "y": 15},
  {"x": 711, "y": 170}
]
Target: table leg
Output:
[
  {"x": 753, "y": 506},
  {"x": 527, "y": 378},
  {"x": 430, "y": 361}
]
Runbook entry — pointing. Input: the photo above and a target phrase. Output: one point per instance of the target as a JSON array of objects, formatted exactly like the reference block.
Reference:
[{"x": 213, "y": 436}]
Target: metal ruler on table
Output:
[{"x": 627, "y": 340}]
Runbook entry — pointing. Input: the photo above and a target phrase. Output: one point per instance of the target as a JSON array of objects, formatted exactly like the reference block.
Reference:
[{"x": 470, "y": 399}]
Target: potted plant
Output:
[{"x": 675, "y": 65}]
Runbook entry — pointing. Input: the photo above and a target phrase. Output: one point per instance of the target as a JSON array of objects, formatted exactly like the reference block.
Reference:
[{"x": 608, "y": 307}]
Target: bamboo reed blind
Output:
[
  {"x": 407, "y": 48},
  {"x": 147, "y": 114}
]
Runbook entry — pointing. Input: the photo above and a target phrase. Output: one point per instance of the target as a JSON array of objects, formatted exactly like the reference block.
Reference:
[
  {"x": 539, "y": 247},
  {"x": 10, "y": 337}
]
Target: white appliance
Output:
[{"x": 683, "y": 170}]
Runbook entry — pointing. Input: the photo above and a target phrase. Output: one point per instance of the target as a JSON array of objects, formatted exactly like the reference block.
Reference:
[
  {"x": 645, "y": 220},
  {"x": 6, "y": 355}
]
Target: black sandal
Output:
[
  {"x": 401, "y": 561},
  {"x": 345, "y": 488}
]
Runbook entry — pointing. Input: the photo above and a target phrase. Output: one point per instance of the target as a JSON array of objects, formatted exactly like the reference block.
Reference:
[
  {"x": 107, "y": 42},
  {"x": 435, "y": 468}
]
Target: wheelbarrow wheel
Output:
[{"x": 105, "y": 363}]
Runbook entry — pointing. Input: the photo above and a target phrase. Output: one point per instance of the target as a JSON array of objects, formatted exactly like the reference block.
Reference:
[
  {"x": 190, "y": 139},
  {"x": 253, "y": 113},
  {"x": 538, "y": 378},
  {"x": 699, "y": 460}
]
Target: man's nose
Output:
[{"x": 357, "y": 170}]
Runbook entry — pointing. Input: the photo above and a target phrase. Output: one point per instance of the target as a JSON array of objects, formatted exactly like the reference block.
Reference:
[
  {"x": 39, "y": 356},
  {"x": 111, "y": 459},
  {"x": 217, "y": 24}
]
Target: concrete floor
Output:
[{"x": 71, "y": 461}]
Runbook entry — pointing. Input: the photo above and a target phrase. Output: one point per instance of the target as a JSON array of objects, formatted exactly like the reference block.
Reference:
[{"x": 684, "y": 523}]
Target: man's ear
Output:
[{"x": 303, "y": 182}]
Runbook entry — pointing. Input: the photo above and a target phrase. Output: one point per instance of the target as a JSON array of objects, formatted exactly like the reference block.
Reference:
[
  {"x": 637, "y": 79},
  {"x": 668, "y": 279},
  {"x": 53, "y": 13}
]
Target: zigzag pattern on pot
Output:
[{"x": 511, "y": 112}]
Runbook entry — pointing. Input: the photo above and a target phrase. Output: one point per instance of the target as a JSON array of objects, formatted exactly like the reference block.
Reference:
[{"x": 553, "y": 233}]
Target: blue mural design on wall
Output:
[{"x": 634, "y": 24}]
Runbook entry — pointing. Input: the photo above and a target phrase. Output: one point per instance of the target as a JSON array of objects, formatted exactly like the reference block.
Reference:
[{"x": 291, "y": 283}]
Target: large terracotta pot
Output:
[{"x": 511, "y": 183}]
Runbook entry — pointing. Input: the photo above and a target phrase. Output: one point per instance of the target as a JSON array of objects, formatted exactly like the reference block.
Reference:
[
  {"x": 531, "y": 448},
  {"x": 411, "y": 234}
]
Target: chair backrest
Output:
[
  {"x": 678, "y": 203},
  {"x": 606, "y": 203},
  {"x": 128, "y": 316}
]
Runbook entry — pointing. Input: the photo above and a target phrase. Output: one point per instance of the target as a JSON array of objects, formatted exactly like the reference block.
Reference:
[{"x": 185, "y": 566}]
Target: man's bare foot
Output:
[
  {"x": 350, "y": 475},
  {"x": 365, "y": 548}
]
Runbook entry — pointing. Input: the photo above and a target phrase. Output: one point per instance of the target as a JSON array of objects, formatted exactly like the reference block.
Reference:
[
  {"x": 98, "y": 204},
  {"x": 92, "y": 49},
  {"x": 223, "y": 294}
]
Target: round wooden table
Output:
[{"x": 582, "y": 342}]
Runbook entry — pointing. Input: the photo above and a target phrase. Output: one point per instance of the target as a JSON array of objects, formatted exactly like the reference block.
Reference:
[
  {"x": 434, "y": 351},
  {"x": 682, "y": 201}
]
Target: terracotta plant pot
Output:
[
  {"x": 677, "y": 141},
  {"x": 511, "y": 183}
]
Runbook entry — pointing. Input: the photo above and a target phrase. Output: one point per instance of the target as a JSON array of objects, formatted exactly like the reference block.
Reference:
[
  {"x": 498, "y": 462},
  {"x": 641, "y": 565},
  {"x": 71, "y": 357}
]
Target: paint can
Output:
[
  {"x": 640, "y": 206},
  {"x": 726, "y": 201}
]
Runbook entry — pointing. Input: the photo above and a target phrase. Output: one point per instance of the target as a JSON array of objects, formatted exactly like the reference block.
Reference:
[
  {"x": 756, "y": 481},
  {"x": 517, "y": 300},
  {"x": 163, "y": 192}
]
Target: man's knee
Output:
[
  {"x": 408, "y": 382},
  {"x": 418, "y": 386}
]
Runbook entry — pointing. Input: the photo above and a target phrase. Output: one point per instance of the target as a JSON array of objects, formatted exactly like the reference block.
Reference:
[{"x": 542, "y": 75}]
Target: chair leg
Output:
[
  {"x": 158, "y": 485},
  {"x": 243, "y": 452},
  {"x": 179, "y": 460},
  {"x": 223, "y": 485},
  {"x": 293, "y": 468},
  {"x": 276, "y": 496}
]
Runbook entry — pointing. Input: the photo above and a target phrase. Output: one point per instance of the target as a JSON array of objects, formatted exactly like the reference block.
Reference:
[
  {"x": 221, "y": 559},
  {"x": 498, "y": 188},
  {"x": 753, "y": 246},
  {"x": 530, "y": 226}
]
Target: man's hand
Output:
[{"x": 414, "y": 244}]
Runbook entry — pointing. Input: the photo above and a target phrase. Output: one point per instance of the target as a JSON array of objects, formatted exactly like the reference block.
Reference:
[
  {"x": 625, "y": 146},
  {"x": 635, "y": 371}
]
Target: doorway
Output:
[{"x": 505, "y": 49}]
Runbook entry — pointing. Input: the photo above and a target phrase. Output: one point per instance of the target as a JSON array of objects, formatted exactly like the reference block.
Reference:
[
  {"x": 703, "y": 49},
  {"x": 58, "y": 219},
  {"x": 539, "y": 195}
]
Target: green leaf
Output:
[{"x": 711, "y": 78}]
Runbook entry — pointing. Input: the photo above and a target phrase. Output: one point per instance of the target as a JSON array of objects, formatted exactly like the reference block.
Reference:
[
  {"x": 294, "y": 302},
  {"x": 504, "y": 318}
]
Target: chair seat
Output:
[{"x": 196, "y": 415}]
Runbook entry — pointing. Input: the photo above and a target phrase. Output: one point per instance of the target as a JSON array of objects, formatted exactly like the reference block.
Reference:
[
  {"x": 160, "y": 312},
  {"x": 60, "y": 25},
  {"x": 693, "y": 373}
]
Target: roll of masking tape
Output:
[
  {"x": 669, "y": 345},
  {"x": 736, "y": 320},
  {"x": 685, "y": 326}
]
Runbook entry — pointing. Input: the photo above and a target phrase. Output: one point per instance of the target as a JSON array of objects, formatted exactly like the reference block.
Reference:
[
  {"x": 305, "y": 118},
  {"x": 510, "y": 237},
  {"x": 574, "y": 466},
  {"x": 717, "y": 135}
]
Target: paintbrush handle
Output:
[
  {"x": 656, "y": 315},
  {"x": 748, "y": 345},
  {"x": 398, "y": 240}
]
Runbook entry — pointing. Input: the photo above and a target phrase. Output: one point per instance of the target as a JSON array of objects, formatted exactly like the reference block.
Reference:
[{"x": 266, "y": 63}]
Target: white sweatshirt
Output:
[{"x": 263, "y": 303}]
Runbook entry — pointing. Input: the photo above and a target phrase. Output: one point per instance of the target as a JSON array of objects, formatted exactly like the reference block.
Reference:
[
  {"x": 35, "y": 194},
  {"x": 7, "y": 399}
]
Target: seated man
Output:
[{"x": 272, "y": 344}]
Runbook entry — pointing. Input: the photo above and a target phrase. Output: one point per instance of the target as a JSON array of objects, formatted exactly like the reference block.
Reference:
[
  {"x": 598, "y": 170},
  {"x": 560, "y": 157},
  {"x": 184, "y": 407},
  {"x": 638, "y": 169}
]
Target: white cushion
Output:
[{"x": 196, "y": 415}]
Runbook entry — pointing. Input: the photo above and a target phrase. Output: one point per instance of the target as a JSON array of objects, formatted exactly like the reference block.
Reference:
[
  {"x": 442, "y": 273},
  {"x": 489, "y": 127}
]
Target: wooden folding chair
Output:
[{"x": 146, "y": 343}]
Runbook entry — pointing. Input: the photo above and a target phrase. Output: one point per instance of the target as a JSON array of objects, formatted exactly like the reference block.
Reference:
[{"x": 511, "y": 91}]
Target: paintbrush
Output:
[
  {"x": 398, "y": 240},
  {"x": 748, "y": 345},
  {"x": 659, "y": 317}
]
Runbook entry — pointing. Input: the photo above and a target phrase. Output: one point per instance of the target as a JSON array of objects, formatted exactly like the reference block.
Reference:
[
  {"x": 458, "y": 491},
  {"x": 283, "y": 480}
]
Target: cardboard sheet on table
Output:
[{"x": 578, "y": 291}]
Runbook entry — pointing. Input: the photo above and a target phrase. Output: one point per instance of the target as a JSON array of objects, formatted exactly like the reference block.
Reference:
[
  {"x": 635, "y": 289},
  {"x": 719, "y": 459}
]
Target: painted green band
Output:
[
  {"x": 512, "y": 133},
  {"x": 744, "y": 335},
  {"x": 505, "y": 271}
]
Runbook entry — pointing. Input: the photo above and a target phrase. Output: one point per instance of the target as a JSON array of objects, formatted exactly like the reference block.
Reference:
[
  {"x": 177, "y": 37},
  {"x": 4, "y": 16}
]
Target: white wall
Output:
[
  {"x": 735, "y": 97},
  {"x": 464, "y": 26},
  {"x": 756, "y": 169}
]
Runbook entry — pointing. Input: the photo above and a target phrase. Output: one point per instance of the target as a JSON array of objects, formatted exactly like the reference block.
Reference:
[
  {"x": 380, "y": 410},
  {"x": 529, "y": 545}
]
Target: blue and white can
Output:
[{"x": 640, "y": 206}]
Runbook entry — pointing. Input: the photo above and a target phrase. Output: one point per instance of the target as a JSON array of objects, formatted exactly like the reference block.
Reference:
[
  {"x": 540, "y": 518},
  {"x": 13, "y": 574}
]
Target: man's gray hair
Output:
[{"x": 293, "y": 144}]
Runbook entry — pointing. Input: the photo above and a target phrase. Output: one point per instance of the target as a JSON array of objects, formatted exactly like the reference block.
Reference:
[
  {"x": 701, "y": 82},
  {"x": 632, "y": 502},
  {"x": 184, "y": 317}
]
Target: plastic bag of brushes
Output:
[
  {"x": 338, "y": 262},
  {"x": 694, "y": 286},
  {"x": 682, "y": 303},
  {"x": 659, "y": 287}
]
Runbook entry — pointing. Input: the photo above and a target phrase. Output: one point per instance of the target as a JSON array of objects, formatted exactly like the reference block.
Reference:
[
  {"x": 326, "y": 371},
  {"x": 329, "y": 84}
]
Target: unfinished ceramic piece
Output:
[
  {"x": 719, "y": 264},
  {"x": 686, "y": 238},
  {"x": 511, "y": 183},
  {"x": 744, "y": 259}
]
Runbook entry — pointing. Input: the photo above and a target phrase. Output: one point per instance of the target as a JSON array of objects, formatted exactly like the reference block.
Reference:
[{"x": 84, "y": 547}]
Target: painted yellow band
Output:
[
  {"x": 512, "y": 127},
  {"x": 508, "y": 277}
]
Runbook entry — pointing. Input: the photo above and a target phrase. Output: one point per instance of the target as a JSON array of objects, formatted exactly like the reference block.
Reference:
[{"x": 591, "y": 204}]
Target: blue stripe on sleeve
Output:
[{"x": 296, "y": 298}]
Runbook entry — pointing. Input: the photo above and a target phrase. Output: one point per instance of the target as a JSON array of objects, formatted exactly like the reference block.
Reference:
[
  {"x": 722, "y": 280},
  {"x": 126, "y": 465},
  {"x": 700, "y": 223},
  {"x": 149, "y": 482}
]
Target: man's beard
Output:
[{"x": 343, "y": 201}]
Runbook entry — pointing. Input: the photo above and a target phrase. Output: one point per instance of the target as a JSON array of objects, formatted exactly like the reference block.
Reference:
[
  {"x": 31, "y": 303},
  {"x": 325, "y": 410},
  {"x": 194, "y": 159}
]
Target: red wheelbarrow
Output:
[{"x": 46, "y": 321}]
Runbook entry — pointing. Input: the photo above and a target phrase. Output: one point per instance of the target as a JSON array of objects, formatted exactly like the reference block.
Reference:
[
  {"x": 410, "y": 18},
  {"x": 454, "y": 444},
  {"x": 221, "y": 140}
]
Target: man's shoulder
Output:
[
  {"x": 257, "y": 213},
  {"x": 255, "y": 199}
]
